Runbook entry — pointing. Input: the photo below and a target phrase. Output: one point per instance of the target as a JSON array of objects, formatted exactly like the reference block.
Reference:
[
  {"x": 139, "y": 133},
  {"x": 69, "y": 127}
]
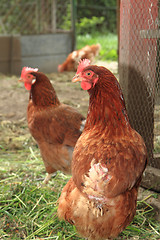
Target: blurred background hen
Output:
[{"x": 71, "y": 62}]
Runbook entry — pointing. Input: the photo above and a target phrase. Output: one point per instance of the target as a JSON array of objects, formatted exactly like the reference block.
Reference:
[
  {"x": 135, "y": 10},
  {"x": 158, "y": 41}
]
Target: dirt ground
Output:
[
  {"x": 14, "y": 97},
  {"x": 14, "y": 101}
]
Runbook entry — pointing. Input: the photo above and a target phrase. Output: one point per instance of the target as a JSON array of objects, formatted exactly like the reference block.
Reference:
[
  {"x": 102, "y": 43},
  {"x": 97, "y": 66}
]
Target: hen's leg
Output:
[
  {"x": 50, "y": 172},
  {"x": 48, "y": 177}
]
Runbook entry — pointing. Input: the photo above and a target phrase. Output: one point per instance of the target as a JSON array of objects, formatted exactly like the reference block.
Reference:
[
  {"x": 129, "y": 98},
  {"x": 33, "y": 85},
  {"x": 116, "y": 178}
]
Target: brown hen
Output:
[
  {"x": 55, "y": 126},
  {"x": 108, "y": 161},
  {"x": 71, "y": 62}
]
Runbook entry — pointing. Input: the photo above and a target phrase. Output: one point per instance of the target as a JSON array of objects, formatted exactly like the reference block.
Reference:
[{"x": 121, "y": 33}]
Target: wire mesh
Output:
[
  {"x": 140, "y": 69},
  {"x": 35, "y": 16}
]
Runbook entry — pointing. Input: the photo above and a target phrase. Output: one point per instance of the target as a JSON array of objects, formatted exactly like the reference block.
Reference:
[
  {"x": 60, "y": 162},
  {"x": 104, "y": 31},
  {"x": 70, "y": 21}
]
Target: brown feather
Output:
[{"x": 91, "y": 221}]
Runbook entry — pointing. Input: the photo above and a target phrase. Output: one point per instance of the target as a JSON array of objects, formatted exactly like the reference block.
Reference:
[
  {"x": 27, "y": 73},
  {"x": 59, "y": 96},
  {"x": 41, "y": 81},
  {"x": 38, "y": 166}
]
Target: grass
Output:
[
  {"x": 28, "y": 210},
  {"x": 108, "y": 41}
]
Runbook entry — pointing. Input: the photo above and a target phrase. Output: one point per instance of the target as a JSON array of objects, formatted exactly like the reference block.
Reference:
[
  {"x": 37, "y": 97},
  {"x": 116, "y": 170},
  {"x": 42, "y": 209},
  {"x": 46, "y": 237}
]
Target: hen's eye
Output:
[{"x": 88, "y": 73}]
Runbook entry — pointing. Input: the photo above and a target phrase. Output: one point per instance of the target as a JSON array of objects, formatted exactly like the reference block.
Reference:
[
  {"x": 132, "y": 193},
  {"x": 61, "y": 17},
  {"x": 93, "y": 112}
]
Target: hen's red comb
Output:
[
  {"x": 82, "y": 64},
  {"x": 27, "y": 70}
]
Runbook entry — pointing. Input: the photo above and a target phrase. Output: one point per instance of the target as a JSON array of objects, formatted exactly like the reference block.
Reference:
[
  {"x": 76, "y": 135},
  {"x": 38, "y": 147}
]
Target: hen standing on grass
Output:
[
  {"x": 108, "y": 161},
  {"x": 55, "y": 126}
]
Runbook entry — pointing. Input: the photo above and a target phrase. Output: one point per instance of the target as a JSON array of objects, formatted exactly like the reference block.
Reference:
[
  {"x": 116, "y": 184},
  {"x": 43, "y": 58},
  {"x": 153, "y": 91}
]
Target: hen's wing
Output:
[
  {"x": 55, "y": 125},
  {"x": 56, "y": 130},
  {"x": 110, "y": 167},
  {"x": 71, "y": 124}
]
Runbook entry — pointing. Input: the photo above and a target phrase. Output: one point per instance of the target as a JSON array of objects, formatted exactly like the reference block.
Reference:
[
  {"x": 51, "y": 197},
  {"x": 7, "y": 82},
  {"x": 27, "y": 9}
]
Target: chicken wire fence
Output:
[
  {"x": 35, "y": 16},
  {"x": 139, "y": 68}
]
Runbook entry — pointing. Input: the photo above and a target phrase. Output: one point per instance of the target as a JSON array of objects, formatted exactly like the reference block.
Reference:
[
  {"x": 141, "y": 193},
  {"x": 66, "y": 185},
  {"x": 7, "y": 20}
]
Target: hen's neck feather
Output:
[
  {"x": 107, "y": 108},
  {"x": 43, "y": 93}
]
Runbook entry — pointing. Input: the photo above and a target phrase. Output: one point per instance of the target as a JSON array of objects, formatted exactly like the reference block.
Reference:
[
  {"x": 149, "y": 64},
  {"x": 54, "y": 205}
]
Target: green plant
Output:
[{"x": 88, "y": 25}]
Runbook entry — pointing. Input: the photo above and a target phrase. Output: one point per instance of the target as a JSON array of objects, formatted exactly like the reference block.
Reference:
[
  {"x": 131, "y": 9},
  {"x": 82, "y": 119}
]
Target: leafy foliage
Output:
[
  {"x": 88, "y": 25},
  {"x": 98, "y": 9}
]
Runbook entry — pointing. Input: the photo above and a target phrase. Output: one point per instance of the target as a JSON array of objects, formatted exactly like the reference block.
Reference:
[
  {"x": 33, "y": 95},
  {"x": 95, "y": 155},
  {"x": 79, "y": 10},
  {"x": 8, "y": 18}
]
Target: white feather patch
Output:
[
  {"x": 81, "y": 54},
  {"x": 74, "y": 54},
  {"x": 82, "y": 125},
  {"x": 33, "y": 81}
]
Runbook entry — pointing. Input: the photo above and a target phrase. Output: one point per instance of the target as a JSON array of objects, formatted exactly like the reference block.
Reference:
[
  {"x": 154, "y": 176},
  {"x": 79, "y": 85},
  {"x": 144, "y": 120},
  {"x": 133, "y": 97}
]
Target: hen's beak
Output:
[
  {"x": 21, "y": 80},
  {"x": 76, "y": 78}
]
